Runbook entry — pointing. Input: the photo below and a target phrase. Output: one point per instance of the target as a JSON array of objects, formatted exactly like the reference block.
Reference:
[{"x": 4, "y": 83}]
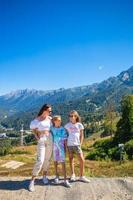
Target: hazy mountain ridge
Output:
[
  {"x": 89, "y": 98},
  {"x": 23, "y": 100}
]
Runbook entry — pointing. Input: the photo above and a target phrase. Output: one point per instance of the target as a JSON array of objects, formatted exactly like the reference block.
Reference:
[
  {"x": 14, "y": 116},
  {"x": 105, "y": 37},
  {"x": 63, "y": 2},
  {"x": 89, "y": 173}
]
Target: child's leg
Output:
[
  {"x": 64, "y": 170},
  {"x": 81, "y": 161},
  {"x": 56, "y": 168},
  {"x": 66, "y": 182},
  {"x": 56, "y": 158},
  {"x": 71, "y": 159}
]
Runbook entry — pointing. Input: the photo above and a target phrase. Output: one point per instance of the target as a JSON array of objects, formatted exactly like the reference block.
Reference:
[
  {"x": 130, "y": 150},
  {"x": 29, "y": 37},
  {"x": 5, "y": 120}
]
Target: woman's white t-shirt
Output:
[
  {"x": 73, "y": 133},
  {"x": 43, "y": 125}
]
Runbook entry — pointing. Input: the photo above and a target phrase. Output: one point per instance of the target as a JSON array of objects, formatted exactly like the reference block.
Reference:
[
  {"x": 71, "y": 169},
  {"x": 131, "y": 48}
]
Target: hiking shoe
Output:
[
  {"x": 45, "y": 180},
  {"x": 67, "y": 184},
  {"x": 32, "y": 186},
  {"x": 56, "y": 180},
  {"x": 84, "y": 179},
  {"x": 73, "y": 177}
]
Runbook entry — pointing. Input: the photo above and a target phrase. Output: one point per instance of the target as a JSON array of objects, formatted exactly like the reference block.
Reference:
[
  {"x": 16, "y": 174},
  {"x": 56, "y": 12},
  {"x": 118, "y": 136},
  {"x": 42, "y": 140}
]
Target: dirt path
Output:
[{"x": 16, "y": 188}]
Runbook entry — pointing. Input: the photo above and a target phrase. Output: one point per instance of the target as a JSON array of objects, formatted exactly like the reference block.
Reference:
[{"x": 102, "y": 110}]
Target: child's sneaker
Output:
[
  {"x": 84, "y": 179},
  {"x": 32, "y": 186},
  {"x": 56, "y": 180},
  {"x": 67, "y": 184},
  {"x": 45, "y": 180},
  {"x": 73, "y": 177}
]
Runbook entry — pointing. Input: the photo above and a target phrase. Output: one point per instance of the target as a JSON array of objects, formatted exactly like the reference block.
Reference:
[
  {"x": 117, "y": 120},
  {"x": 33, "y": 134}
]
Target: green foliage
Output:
[
  {"x": 109, "y": 127},
  {"x": 104, "y": 143},
  {"x": 30, "y": 139},
  {"x": 97, "y": 154},
  {"x": 114, "y": 153},
  {"x": 103, "y": 150},
  {"x": 109, "y": 119},
  {"x": 125, "y": 125},
  {"x": 5, "y": 146},
  {"x": 129, "y": 149},
  {"x": 15, "y": 142},
  {"x": 13, "y": 133}
]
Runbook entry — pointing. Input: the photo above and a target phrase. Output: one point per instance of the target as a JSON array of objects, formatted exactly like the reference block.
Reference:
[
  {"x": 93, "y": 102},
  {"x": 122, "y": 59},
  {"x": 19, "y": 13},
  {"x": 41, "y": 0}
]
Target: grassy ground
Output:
[{"x": 27, "y": 155}]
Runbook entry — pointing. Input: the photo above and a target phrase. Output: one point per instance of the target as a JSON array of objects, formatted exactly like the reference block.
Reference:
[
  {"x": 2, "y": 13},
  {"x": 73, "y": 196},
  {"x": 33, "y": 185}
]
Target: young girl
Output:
[
  {"x": 59, "y": 144},
  {"x": 74, "y": 143}
]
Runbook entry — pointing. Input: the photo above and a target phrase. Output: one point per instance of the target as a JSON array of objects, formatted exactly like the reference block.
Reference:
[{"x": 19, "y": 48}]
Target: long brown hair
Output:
[
  {"x": 43, "y": 108},
  {"x": 74, "y": 112}
]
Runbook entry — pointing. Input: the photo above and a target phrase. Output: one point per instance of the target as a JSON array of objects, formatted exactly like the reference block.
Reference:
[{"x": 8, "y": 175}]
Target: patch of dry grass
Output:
[{"x": 27, "y": 155}]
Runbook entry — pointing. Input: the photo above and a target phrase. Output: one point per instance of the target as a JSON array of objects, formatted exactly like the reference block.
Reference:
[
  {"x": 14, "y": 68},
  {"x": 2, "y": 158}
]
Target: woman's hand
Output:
[
  {"x": 37, "y": 137},
  {"x": 46, "y": 132},
  {"x": 36, "y": 133},
  {"x": 39, "y": 133}
]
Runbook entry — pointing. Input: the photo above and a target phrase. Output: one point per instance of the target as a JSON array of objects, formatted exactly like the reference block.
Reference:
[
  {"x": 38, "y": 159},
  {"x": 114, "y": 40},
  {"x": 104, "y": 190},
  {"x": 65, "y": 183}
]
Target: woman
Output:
[{"x": 41, "y": 128}]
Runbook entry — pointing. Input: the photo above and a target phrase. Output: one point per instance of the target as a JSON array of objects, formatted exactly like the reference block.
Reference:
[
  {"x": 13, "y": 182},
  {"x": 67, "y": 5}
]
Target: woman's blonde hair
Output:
[
  {"x": 74, "y": 112},
  {"x": 55, "y": 118}
]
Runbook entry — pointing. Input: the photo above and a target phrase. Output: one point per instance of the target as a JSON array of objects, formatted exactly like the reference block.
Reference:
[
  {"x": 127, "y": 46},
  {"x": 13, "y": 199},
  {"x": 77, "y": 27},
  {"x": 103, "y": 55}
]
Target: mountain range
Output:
[{"x": 89, "y": 98}]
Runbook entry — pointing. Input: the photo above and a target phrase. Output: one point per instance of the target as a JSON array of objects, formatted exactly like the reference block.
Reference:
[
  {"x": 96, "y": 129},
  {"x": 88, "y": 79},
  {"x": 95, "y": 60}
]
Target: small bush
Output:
[
  {"x": 5, "y": 146},
  {"x": 104, "y": 143},
  {"x": 15, "y": 142},
  {"x": 104, "y": 150},
  {"x": 97, "y": 154},
  {"x": 114, "y": 153},
  {"x": 129, "y": 149},
  {"x": 30, "y": 139}
]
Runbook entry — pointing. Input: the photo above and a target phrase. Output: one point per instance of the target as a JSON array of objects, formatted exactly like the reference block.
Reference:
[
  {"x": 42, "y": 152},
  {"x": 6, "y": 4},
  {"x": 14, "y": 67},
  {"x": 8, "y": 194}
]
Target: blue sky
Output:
[{"x": 53, "y": 44}]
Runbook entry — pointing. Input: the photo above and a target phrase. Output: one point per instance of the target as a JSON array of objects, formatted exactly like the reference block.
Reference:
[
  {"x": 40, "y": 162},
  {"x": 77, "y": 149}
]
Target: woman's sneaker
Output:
[
  {"x": 45, "y": 180},
  {"x": 84, "y": 179},
  {"x": 67, "y": 184},
  {"x": 32, "y": 186},
  {"x": 73, "y": 177},
  {"x": 56, "y": 180}
]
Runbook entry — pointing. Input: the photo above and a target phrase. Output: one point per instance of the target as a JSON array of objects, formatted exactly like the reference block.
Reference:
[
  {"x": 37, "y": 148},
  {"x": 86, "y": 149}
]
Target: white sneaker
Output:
[
  {"x": 56, "y": 180},
  {"x": 32, "y": 186},
  {"x": 84, "y": 179},
  {"x": 73, "y": 177},
  {"x": 67, "y": 184},
  {"x": 45, "y": 180}
]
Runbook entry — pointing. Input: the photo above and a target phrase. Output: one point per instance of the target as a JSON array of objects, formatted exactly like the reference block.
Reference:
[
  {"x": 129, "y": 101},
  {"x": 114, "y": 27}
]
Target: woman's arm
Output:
[
  {"x": 36, "y": 133},
  {"x": 81, "y": 136}
]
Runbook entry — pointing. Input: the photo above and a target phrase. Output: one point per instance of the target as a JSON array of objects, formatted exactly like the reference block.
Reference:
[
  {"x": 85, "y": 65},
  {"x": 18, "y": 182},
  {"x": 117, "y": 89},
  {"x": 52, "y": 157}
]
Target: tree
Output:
[
  {"x": 109, "y": 120},
  {"x": 125, "y": 125}
]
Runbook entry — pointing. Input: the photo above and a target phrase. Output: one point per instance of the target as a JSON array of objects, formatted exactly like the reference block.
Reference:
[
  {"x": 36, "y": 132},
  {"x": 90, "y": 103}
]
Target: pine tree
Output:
[{"x": 125, "y": 125}]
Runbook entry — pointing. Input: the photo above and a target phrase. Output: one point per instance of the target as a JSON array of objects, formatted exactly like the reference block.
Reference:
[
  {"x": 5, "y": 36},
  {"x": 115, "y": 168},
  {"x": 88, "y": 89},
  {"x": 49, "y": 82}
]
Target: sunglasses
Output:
[
  {"x": 72, "y": 116},
  {"x": 49, "y": 111}
]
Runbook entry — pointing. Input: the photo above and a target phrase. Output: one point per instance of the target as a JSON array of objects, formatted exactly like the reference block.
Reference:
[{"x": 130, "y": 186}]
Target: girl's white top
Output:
[{"x": 73, "y": 133}]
